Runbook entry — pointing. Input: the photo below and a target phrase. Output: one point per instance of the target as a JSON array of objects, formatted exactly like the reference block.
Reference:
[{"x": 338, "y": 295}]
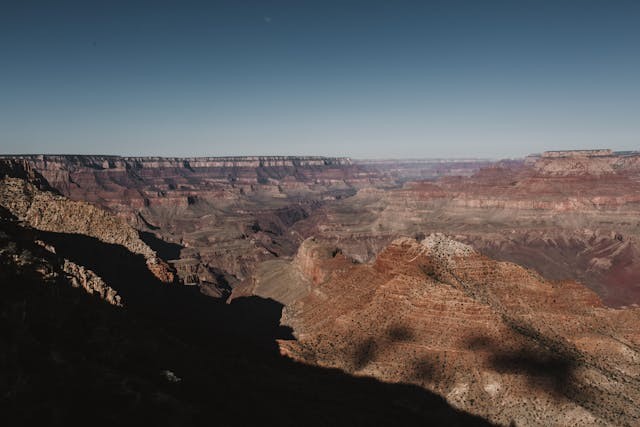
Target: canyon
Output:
[
  {"x": 94, "y": 330},
  {"x": 460, "y": 292}
]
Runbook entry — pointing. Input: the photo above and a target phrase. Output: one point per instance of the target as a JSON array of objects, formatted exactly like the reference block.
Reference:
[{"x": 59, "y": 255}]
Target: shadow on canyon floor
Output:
[
  {"x": 165, "y": 250},
  {"x": 173, "y": 356}
]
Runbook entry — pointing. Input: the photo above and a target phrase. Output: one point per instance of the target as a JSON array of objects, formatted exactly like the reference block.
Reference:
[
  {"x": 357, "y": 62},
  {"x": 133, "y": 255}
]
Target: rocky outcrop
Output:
[
  {"x": 90, "y": 282},
  {"x": 19, "y": 168},
  {"x": 47, "y": 211},
  {"x": 22, "y": 253},
  {"x": 167, "y": 355},
  {"x": 316, "y": 260},
  {"x": 492, "y": 337}
]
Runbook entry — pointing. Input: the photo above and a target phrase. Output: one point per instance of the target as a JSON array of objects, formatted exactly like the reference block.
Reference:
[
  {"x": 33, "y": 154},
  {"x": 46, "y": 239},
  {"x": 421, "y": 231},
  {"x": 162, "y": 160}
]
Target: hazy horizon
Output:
[
  {"x": 372, "y": 159},
  {"x": 366, "y": 80}
]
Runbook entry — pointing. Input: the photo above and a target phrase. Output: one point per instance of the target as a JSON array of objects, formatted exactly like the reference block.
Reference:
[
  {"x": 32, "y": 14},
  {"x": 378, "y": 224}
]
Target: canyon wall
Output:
[
  {"x": 128, "y": 183},
  {"x": 217, "y": 217},
  {"x": 568, "y": 215}
]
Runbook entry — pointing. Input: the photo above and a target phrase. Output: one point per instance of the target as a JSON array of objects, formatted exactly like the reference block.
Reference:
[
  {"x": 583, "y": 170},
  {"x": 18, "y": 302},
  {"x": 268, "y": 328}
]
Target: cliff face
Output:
[
  {"x": 47, "y": 211},
  {"x": 494, "y": 338},
  {"x": 126, "y": 184}
]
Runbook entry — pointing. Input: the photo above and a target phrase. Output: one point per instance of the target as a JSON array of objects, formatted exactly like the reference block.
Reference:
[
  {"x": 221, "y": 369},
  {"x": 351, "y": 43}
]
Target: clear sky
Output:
[{"x": 367, "y": 79}]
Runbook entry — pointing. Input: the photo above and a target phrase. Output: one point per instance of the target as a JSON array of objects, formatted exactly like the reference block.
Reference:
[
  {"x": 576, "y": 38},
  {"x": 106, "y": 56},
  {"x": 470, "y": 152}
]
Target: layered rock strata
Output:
[
  {"x": 576, "y": 225},
  {"x": 492, "y": 337}
]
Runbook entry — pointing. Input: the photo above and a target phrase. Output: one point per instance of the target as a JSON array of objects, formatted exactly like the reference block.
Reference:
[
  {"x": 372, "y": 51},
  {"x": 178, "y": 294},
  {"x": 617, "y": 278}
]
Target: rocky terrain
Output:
[
  {"x": 47, "y": 211},
  {"x": 576, "y": 225},
  {"x": 216, "y": 219},
  {"x": 92, "y": 332},
  {"x": 508, "y": 290},
  {"x": 492, "y": 337}
]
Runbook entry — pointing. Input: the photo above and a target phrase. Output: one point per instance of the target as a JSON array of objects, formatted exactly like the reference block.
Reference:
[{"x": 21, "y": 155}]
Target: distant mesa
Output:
[
  {"x": 579, "y": 153},
  {"x": 600, "y": 152}
]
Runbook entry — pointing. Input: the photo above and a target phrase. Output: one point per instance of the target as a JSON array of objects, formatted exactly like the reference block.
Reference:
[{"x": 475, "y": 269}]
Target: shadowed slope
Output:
[{"x": 171, "y": 356}]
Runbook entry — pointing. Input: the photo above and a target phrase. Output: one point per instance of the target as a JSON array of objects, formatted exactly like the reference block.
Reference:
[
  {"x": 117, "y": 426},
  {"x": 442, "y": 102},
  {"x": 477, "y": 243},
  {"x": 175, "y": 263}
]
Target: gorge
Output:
[{"x": 460, "y": 291}]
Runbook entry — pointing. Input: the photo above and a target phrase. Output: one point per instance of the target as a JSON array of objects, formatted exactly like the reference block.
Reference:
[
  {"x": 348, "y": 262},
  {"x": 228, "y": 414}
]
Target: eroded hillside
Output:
[{"x": 494, "y": 338}]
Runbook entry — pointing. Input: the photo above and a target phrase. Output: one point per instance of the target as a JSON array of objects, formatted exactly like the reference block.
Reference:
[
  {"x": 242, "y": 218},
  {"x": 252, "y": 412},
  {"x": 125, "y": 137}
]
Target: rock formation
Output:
[
  {"x": 494, "y": 338},
  {"x": 44, "y": 210},
  {"x": 21, "y": 252},
  {"x": 574, "y": 225},
  {"x": 169, "y": 356},
  {"x": 224, "y": 216}
]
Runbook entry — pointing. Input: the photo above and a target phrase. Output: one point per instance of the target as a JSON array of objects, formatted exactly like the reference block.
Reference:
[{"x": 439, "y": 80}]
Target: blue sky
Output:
[{"x": 356, "y": 78}]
